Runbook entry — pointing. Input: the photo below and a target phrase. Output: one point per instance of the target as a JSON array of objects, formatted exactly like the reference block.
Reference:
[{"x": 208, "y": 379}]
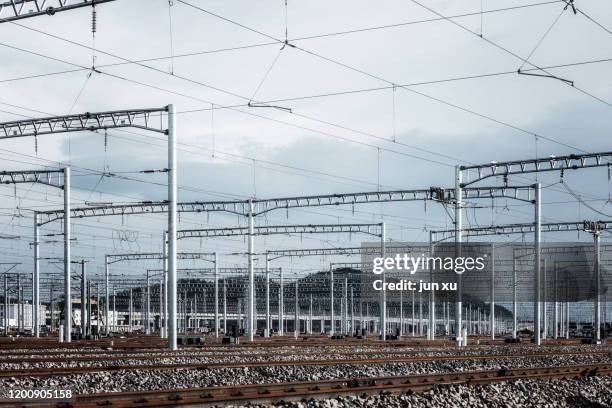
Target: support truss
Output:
[
  {"x": 242, "y": 207},
  {"x": 369, "y": 229},
  {"x": 20, "y": 9},
  {"x": 553, "y": 163},
  {"x": 46, "y": 177},
  {"x": 365, "y": 250},
  {"x": 349, "y": 265},
  {"x": 219, "y": 270},
  {"x": 147, "y": 119},
  {"x": 438, "y": 236},
  {"x": 114, "y": 258}
]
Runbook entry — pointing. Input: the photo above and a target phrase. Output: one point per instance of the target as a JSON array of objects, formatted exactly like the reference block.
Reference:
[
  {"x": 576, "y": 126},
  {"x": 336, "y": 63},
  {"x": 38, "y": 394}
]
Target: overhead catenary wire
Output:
[{"x": 213, "y": 105}]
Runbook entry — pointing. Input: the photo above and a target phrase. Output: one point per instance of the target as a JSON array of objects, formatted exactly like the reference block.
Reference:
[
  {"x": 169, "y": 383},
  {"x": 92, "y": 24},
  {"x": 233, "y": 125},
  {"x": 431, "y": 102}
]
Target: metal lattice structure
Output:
[
  {"x": 553, "y": 163},
  {"x": 523, "y": 228},
  {"x": 138, "y": 118},
  {"x": 369, "y": 229},
  {"x": 20, "y": 9},
  {"x": 242, "y": 207},
  {"x": 114, "y": 258},
  {"x": 46, "y": 177}
]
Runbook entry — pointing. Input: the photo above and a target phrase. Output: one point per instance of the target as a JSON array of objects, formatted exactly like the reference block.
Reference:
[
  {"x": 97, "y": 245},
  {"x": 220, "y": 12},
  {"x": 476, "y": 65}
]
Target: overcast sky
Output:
[{"x": 379, "y": 100}]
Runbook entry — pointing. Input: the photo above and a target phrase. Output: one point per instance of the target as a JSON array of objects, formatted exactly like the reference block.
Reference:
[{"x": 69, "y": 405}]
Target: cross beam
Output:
[
  {"x": 20, "y": 9},
  {"x": 33, "y": 176},
  {"x": 553, "y": 163},
  {"x": 525, "y": 228},
  {"x": 114, "y": 258},
  {"x": 370, "y": 229},
  {"x": 242, "y": 207},
  {"x": 365, "y": 250},
  {"x": 349, "y": 265},
  {"x": 219, "y": 270},
  {"x": 138, "y": 118}
]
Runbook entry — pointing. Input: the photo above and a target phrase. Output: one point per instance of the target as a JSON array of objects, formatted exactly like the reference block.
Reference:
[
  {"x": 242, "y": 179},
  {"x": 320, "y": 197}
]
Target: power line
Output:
[{"x": 358, "y": 70}]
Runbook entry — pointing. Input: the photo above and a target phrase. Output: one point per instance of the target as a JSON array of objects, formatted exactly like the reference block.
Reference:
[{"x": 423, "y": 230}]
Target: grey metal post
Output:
[
  {"x": 597, "y": 299},
  {"x": 332, "y": 327},
  {"x": 67, "y": 263},
  {"x": 537, "y": 236},
  {"x": 432, "y": 314},
  {"x": 172, "y": 219},
  {"x": 458, "y": 239},
  {"x": 6, "y": 306},
  {"x": 310, "y": 316},
  {"x": 224, "y": 308},
  {"x": 413, "y": 316},
  {"x": 89, "y": 306},
  {"x": 131, "y": 312},
  {"x": 420, "y": 314},
  {"x": 107, "y": 295},
  {"x": 216, "y": 295},
  {"x": 115, "y": 313},
  {"x": 361, "y": 326},
  {"x": 84, "y": 315},
  {"x": 345, "y": 308},
  {"x": 567, "y": 319},
  {"x": 251, "y": 298},
  {"x": 165, "y": 277},
  {"x": 36, "y": 279},
  {"x": 19, "y": 300},
  {"x": 280, "y": 321},
  {"x": 383, "y": 295},
  {"x": 185, "y": 314},
  {"x": 268, "y": 321},
  {"x": 296, "y": 332},
  {"x": 544, "y": 304},
  {"x": 281, "y": 306},
  {"x": 492, "y": 311},
  {"x": 401, "y": 331},
  {"x": 147, "y": 310},
  {"x": 514, "y": 305},
  {"x": 556, "y": 303},
  {"x": 352, "y": 330},
  {"x": 239, "y": 314},
  {"x": 161, "y": 305},
  {"x": 98, "y": 306},
  {"x": 52, "y": 307}
]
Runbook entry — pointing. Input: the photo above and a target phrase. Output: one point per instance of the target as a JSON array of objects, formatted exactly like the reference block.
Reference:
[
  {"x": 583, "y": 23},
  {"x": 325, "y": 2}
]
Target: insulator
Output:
[
  {"x": 36, "y": 144},
  {"x": 105, "y": 141},
  {"x": 94, "y": 19}
]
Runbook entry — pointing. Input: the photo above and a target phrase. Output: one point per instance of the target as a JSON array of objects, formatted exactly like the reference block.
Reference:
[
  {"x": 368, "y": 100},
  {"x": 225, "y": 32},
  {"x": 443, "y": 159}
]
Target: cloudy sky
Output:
[{"x": 370, "y": 95}]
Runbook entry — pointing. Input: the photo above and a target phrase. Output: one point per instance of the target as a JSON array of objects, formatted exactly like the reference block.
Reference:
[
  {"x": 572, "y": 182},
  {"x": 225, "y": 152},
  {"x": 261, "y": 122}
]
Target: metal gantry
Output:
[
  {"x": 464, "y": 178},
  {"x": 377, "y": 229},
  {"x": 251, "y": 208},
  {"x": 59, "y": 178},
  {"x": 593, "y": 227},
  {"x": 146, "y": 119},
  {"x": 110, "y": 259}
]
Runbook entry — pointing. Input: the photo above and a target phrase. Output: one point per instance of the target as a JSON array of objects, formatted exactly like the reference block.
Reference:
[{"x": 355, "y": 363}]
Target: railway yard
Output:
[
  {"x": 283, "y": 203},
  {"x": 140, "y": 372}
]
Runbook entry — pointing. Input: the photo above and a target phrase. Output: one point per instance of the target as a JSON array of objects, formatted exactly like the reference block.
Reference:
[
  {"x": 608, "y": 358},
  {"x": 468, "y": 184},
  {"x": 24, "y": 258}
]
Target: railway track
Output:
[
  {"x": 263, "y": 393},
  {"x": 51, "y": 372},
  {"x": 28, "y": 358}
]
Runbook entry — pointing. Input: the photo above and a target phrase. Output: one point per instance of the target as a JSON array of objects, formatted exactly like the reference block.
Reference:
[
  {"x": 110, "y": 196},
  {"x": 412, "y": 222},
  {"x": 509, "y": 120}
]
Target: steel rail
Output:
[
  {"x": 52, "y": 372},
  {"x": 206, "y": 396}
]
